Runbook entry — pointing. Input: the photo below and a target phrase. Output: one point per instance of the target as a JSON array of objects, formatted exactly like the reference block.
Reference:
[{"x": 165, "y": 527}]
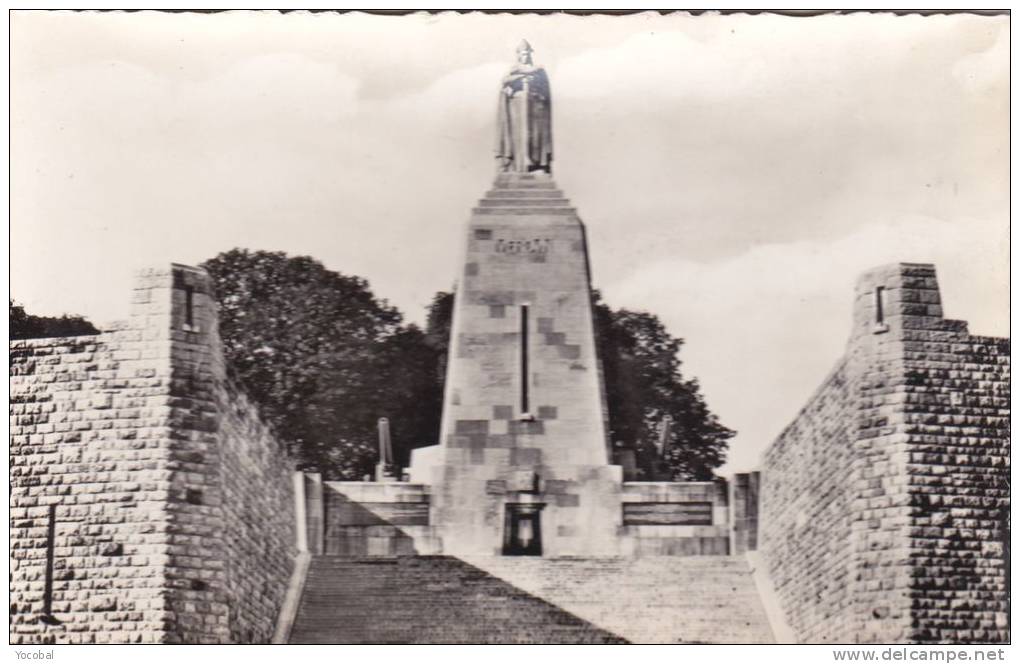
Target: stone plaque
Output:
[{"x": 667, "y": 514}]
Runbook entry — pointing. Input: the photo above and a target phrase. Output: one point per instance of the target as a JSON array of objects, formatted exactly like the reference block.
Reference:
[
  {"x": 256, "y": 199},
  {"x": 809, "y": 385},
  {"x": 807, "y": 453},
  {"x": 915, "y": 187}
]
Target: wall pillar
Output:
[
  {"x": 300, "y": 518},
  {"x": 744, "y": 511},
  {"x": 314, "y": 513}
]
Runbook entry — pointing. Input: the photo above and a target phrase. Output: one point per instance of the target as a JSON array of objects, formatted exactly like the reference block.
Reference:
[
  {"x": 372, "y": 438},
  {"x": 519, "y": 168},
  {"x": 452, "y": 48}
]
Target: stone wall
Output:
[
  {"x": 375, "y": 519},
  {"x": 171, "y": 502},
  {"x": 883, "y": 504},
  {"x": 806, "y": 523},
  {"x": 87, "y": 416},
  {"x": 259, "y": 519}
]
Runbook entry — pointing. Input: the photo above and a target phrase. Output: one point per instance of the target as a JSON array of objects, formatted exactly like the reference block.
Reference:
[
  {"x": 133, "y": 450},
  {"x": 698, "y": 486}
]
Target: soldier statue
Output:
[{"x": 524, "y": 140}]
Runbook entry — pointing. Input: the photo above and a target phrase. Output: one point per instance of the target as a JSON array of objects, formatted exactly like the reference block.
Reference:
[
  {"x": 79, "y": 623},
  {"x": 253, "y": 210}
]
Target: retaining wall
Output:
[
  {"x": 884, "y": 505},
  {"x": 145, "y": 482}
]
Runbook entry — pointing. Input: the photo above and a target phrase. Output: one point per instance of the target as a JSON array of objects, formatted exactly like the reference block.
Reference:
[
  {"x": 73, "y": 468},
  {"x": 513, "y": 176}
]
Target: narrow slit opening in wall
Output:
[
  {"x": 189, "y": 306},
  {"x": 879, "y": 305},
  {"x": 524, "y": 361},
  {"x": 51, "y": 531}
]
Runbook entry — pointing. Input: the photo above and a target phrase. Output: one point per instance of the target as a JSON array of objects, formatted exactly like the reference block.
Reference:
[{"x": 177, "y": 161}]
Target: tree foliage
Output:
[
  {"x": 437, "y": 330},
  {"x": 27, "y": 326},
  {"x": 644, "y": 386},
  {"x": 324, "y": 359}
]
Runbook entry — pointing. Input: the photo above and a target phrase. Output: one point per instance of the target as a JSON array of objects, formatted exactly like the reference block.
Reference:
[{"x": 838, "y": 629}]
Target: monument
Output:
[
  {"x": 524, "y": 139},
  {"x": 386, "y": 468},
  {"x": 524, "y": 460},
  {"x": 151, "y": 503}
]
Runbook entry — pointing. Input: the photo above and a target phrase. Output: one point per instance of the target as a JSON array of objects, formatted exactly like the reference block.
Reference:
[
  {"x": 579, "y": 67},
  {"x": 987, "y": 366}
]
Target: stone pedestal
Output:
[
  {"x": 524, "y": 404},
  {"x": 385, "y": 472}
]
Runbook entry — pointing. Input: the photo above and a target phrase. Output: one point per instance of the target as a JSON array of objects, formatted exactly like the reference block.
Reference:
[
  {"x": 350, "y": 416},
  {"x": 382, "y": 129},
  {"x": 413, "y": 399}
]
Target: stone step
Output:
[
  {"x": 440, "y": 599},
  {"x": 426, "y": 600},
  {"x": 524, "y": 202},
  {"x": 519, "y": 210},
  {"x": 524, "y": 193},
  {"x": 647, "y": 600},
  {"x": 524, "y": 185},
  {"x": 534, "y": 176}
]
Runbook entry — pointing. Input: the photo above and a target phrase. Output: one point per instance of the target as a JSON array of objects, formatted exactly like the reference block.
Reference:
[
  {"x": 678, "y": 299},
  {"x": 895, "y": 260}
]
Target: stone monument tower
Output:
[{"x": 523, "y": 466}]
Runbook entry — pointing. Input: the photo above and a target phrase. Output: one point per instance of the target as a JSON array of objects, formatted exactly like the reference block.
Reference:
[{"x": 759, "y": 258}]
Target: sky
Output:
[{"x": 735, "y": 172}]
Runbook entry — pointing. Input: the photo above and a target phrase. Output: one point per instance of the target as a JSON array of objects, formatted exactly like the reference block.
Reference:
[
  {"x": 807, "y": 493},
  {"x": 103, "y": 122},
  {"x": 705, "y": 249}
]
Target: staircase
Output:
[
  {"x": 426, "y": 599},
  {"x": 524, "y": 193},
  {"x": 683, "y": 599},
  {"x": 514, "y": 600}
]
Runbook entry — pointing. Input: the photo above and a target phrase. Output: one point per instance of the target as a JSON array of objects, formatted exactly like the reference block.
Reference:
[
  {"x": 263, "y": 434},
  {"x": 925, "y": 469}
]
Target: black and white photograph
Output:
[{"x": 510, "y": 327}]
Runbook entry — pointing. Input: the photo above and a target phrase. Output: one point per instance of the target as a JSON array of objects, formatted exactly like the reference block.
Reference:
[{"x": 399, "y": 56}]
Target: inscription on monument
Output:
[
  {"x": 538, "y": 245},
  {"x": 667, "y": 514}
]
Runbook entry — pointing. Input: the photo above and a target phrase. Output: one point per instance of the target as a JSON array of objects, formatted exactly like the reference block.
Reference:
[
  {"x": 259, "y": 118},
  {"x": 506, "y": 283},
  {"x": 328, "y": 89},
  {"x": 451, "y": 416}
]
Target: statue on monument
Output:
[{"x": 524, "y": 138}]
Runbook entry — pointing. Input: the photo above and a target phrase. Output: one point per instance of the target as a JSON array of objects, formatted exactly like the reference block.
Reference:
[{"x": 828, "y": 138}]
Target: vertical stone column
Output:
[
  {"x": 744, "y": 510},
  {"x": 721, "y": 509},
  {"x": 751, "y": 509},
  {"x": 219, "y": 571},
  {"x": 881, "y": 502},
  {"x": 931, "y": 465},
  {"x": 300, "y": 514},
  {"x": 738, "y": 525},
  {"x": 182, "y": 310},
  {"x": 315, "y": 517}
]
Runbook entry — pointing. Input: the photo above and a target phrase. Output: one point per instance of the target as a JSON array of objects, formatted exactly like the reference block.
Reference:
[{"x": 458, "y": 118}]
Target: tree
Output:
[
  {"x": 27, "y": 326},
  {"x": 322, "y": 358},
  {"x": 644, "y": 386},
  {"x": 437, "y": 331},
  {"x": 409, "y": 383}
]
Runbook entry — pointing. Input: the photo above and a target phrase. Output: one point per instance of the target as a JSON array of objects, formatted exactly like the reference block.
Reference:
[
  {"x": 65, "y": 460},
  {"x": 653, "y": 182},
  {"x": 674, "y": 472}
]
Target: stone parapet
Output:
[
  {"x": 148, "y": 502},
  {"x": 884, "y": 504},
  {"x": 675, "y": 518},
  {"x": 377, "y": 519}
]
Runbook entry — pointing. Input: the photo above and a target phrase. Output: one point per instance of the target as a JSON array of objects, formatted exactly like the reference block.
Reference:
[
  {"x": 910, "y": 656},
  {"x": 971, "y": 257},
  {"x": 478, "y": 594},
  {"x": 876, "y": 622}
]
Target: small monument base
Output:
[{"x": 386, "y": 473}]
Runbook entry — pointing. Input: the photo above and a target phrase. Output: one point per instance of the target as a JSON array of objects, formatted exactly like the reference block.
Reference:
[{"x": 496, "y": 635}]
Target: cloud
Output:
[
  {"x": 985, "y": 70},
  {"x": 762, "y": 329},
  {"x": 675, "y": 65},
  {"x": 465, "y": 96}
]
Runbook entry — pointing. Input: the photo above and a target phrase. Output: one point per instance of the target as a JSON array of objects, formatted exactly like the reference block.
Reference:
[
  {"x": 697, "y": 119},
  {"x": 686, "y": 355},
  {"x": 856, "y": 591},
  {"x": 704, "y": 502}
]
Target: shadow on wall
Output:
[{"x": 355, "y": 529}]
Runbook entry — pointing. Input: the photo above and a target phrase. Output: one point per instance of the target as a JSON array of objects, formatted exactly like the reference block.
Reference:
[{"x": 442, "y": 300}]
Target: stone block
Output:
[
  {"x": 567, "y": 500},
  {"x": 555, "y": 338},
  {"x": 547, "y": 412},
  {"x": 472, "y": 426},
  {"x": 554, "y": 487},
  {"x": 103, "y": 603},
  {"x": 569, "y": 351},
  {"x": 531, "y": 428}
]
